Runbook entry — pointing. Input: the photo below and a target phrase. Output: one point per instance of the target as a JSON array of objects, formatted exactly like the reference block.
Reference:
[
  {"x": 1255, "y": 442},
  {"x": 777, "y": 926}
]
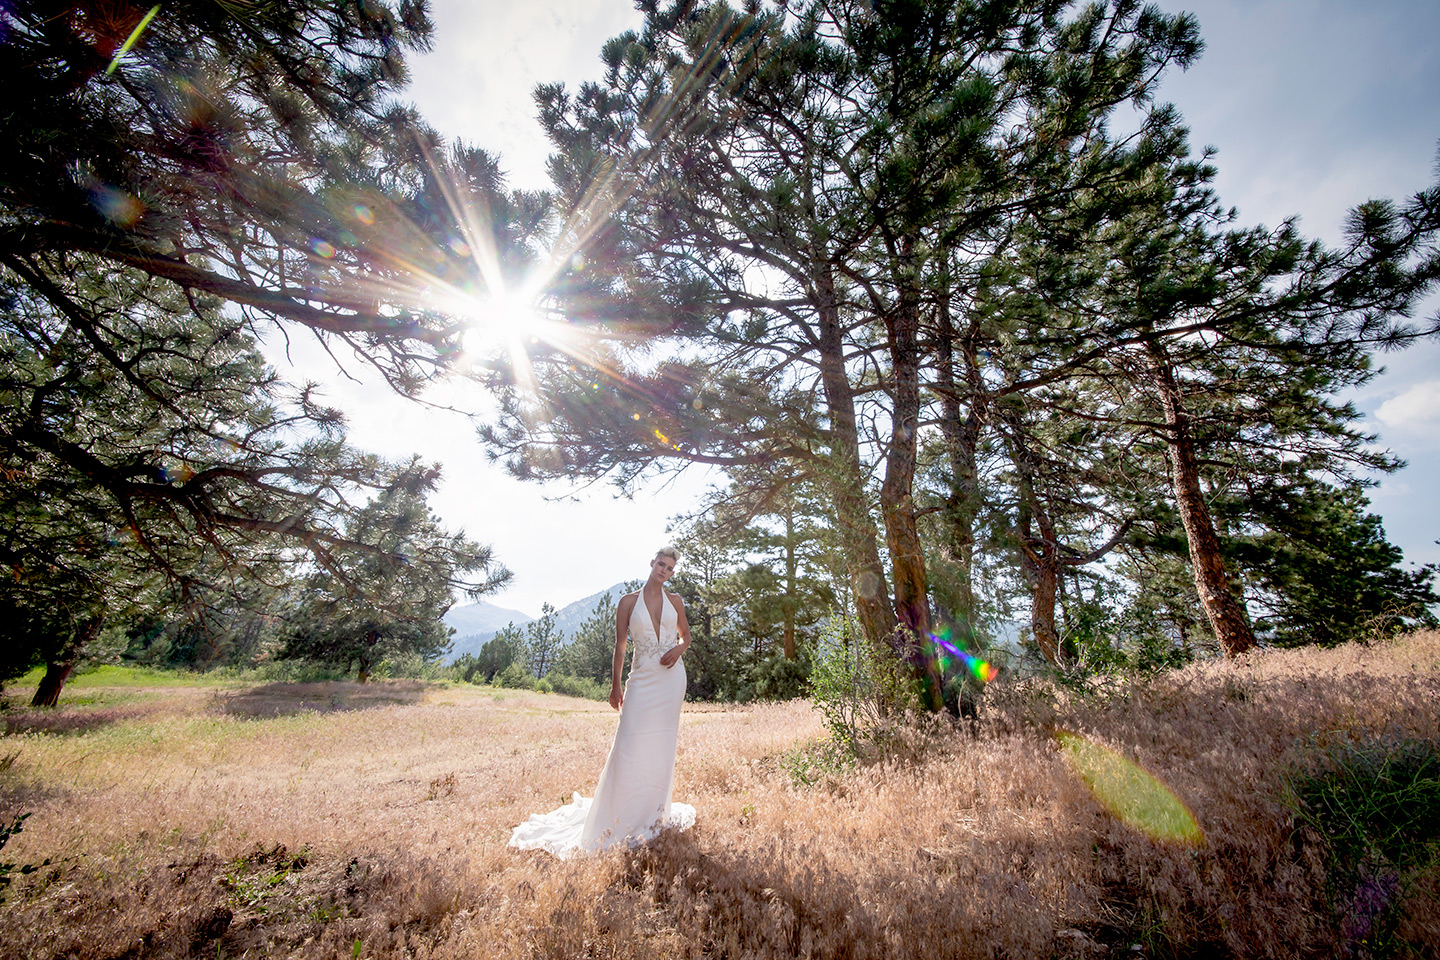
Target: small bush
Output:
[
  {"x": 573, "y": 686},
  {"x": 515, "y": 677},
  {"x": 780, "y": 678},
  {"x": 282, "y": 671},
  {"x": 857, "y": 689},
  {"x": 1375, "y": 806},
  {"x": 812, "y": 763}
]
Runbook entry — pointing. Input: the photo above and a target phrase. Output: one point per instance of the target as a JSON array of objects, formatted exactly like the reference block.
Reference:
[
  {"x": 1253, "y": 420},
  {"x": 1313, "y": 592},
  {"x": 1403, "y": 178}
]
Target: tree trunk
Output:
[
  {"x": 897, "y": 502},
  {"x": 1037, "y": 554},
  {"x": 852, "y": 513},
  {"x": 1043, "y": 589},
  {"x": 59, "y": 667},
  {"x": 47, "y": 694},
  {"x": 962, "y": 440},
  {"x": 363, "y": 662},
  {"x": 1212, "y": 580},
  {"x": 791, "y": 570}
]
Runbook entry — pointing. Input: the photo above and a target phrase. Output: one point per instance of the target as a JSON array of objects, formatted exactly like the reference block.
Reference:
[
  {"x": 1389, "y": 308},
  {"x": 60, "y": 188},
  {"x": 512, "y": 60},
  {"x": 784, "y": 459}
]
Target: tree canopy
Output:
[
  {"x": 955, "y": 263},
  {"x": 176, "y": 186}
]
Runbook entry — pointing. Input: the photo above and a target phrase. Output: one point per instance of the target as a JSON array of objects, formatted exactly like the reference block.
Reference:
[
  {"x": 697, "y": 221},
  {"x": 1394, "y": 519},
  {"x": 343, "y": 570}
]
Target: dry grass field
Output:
[{"x": 332, "y": 820}]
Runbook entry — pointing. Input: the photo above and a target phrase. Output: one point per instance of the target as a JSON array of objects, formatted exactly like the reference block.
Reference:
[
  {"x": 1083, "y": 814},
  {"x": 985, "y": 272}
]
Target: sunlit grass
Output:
[{"x": 111, "y": 676}]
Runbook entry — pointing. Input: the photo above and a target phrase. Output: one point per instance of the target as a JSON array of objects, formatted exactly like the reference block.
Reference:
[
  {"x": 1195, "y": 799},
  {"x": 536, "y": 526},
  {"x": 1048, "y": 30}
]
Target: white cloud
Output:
[{"x": 1416, "y": 410}]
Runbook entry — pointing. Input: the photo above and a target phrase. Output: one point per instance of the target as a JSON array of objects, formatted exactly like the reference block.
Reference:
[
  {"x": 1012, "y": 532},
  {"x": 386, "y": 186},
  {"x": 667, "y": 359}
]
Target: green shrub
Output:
[
  {"x": 780, "y": 678},
  {"x": 858, "y": 689},
  {"x": 809, "y": 764},
  {"x": 515, "y": 677},
  {"x": 1374, "y": 804},
  {"x": 572, "y": 686}
]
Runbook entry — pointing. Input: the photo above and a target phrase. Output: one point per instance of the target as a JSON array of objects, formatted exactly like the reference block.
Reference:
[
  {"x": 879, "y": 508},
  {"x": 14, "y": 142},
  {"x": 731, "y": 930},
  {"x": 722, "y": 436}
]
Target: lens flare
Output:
[
  {"x": 117, "y": 206},
  {"x": 322, "y": 248},
  {"x": 363, "y": 213},
  {"x": 1128, "y": 792},
  {"x": 979, "y": 669}
]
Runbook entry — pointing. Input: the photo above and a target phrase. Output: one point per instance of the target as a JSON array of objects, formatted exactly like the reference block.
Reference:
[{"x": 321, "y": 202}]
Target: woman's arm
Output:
[
  {"x": 682, "y": 627},
  {"x": 622, "y": 628}
]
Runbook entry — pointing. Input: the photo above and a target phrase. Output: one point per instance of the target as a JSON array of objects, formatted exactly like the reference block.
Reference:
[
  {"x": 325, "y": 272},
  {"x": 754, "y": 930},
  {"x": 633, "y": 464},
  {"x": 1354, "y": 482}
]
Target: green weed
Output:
[
  {"x": 1375, "y": 806},
  {"x": 809, "y": 764}
]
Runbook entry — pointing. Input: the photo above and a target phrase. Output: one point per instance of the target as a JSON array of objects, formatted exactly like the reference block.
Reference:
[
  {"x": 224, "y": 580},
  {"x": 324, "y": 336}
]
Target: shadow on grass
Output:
[
  {"x": 64, "y": 720},
  {"x": 333, "y": 696}
]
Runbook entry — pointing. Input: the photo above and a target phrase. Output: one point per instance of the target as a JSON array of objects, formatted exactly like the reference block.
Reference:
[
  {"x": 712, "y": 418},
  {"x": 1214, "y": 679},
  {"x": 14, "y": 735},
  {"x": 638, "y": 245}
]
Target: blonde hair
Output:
[{"x": 670, "y": 552}]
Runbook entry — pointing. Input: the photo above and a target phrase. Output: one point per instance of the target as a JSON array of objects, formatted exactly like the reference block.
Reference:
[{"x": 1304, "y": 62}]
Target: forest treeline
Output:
[{"x": 940, "y": 289}]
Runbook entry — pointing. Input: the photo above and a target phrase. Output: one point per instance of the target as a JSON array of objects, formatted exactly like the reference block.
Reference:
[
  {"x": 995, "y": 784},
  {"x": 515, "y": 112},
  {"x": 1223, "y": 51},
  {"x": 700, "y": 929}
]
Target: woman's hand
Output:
[
  {"x": 671, "y": 656},
  {"x": 617, "y": 697}
]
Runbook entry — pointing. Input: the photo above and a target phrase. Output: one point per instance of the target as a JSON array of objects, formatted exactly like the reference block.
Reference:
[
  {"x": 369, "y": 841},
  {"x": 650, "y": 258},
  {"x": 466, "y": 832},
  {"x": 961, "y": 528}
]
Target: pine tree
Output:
[
  {"x": 162, "y": 204},
  {"x": 830, "y": 149},
  {"x": 383, "y": 597}
]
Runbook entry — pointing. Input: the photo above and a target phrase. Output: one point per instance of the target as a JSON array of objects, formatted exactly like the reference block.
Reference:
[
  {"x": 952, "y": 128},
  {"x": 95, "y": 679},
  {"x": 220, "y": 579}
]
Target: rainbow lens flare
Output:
[
  {"x": 951, "y": 654},
  {"x": 117, "y": 206},
  {"x": 1128, "y": 792}
]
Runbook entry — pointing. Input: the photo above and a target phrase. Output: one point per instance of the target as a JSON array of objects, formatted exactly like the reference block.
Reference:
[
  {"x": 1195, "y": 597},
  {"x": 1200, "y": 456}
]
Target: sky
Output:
[{"x": 1312, "y": 105}]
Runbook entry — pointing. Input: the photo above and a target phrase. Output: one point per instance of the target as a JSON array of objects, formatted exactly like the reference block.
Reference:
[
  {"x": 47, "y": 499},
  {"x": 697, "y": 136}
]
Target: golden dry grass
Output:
[{"x": 304, "y": 820}]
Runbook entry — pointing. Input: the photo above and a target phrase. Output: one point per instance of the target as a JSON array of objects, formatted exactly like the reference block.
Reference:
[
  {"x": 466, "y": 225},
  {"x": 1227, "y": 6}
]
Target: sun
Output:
[{"x": 502, "y": 319}]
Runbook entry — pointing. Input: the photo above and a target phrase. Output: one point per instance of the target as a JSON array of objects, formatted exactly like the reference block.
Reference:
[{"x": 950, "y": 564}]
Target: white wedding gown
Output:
[{"x": 632, "y": 801}]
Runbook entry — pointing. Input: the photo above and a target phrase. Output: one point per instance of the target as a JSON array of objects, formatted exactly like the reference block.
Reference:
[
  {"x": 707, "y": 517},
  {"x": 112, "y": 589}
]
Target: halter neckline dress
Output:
[{"x": 632, "y": 801}]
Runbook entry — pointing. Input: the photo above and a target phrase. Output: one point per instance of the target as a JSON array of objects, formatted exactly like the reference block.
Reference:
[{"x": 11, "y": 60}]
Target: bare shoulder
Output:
[
  {"x": 675, "y": 597},
  {"x": 628, "y": 600}
]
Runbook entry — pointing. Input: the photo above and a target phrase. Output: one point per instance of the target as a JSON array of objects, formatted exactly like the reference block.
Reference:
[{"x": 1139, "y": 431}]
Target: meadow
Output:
[{"x": 173, "y": 818}]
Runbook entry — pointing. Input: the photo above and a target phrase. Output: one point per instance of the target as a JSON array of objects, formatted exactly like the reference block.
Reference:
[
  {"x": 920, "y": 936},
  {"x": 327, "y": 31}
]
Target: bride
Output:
[{"x": 632, "y": 800}]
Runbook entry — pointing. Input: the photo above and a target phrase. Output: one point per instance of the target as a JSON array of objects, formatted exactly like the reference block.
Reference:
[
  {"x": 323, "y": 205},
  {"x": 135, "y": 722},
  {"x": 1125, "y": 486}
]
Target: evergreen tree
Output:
[
  {"x": 1322, "y": 569},
  {"x": 832, "y": 150},
  {"x": 1226, "y": 349},
  {"x": 591, "y": 651},
  {"x": 254, "y": 153},
  {"x": 501, "y": 651},
  {"x": 385, "y": 598},
  {"x": 243, "y": 155},
  {"x": 543, "y": 643}
]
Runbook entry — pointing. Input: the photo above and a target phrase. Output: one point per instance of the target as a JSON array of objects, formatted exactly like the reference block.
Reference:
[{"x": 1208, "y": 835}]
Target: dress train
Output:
[{"x": 632, "y": 801}]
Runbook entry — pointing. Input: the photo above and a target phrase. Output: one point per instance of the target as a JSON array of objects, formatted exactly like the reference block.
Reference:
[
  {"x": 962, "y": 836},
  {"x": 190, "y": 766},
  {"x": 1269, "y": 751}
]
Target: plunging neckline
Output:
[{"x": 654, "y": 620}]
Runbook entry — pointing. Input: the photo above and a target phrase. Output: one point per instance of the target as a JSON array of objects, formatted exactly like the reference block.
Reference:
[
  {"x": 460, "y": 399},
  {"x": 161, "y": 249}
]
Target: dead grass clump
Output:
[{"x": 264, "y": 903}]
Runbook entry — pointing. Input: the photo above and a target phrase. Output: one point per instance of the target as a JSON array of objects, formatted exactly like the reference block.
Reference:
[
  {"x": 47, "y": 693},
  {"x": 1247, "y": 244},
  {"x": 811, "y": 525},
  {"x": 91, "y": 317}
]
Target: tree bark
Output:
[
  {"x": 791, "y": 570},
  {"x": 897, "y": 502},
  {"x": 1212, "y": 581},
  {"x": 47, "y": 694},
  {"x": 852, "y": 512},
  {"x": 1038, "y": 562},
  {"x": 59, "y": 667},
  {"x": 363, "y": 662},
  {"x": 962, "y": 440}
]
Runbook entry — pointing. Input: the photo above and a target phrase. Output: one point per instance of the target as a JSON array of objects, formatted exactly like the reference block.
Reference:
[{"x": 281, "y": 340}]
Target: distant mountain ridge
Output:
[
  {"x": 476, "y": 623},
  {"x": 481, "y": 617}
]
